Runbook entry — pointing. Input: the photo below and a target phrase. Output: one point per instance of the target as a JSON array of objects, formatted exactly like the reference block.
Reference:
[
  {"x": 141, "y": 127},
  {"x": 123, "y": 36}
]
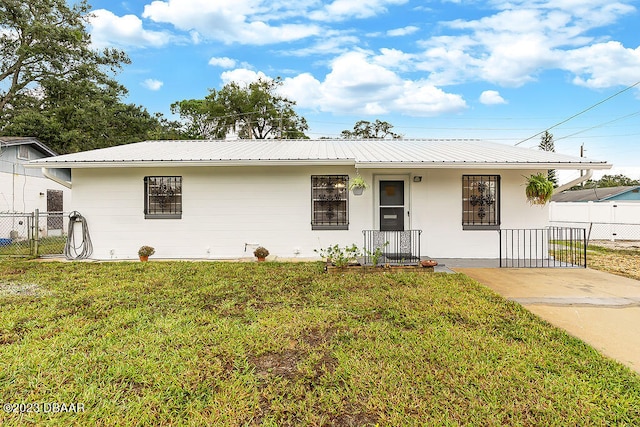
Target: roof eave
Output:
[
  {"x": 184, "y": 163},
  {"x": 482, "y": 165}
]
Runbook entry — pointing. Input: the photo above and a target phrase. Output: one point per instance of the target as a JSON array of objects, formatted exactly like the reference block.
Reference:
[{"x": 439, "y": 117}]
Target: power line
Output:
[
  {"x": 600, "y": 125},
  {"x": 581, "y": 112}
]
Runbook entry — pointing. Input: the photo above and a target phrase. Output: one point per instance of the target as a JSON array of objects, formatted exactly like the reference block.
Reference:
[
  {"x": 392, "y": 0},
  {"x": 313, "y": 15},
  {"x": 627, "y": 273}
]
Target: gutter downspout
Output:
[
  {"x": 583, "y": 178},
  {"x": 53, "y": 178}
]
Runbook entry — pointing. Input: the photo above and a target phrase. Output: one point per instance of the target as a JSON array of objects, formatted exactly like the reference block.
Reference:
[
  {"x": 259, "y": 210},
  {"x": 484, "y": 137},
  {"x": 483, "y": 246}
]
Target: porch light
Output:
[{"x": 417, "y": 178}]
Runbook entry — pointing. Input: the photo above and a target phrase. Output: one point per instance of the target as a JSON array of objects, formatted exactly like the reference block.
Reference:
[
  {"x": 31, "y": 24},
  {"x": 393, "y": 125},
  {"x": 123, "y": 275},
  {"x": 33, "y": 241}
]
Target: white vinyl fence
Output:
[{"x": 603, "y": 220}]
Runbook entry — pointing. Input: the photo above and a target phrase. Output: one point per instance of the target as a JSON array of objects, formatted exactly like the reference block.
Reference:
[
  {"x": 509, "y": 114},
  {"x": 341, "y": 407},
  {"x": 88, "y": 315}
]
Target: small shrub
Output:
[
  {"x": 146, "y": 251},
  {"x": 261, "y": 252},
  {"x": 377, "y": 254},
  {"x": 340, "y": 257}
]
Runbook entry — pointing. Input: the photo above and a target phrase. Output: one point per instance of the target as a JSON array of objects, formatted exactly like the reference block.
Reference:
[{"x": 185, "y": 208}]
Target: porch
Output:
[
  {"x": 550, "y": 247},
  {"x": 391, "y": 247}
]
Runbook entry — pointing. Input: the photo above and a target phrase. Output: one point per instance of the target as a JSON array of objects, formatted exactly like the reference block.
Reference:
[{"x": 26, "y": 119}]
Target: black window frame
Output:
[
  {"x": 481, "y": 202},
  {"x": 329, "y": 200},
  {"x": 166, "y": 203}
]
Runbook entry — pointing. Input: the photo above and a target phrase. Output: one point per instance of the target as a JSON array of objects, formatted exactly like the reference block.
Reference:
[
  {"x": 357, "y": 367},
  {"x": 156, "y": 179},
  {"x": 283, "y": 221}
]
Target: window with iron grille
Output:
[
  {"x": 330, "y": 202},
  {"x": 480, "y": 202},
  {"x": 163, "y": 197}
]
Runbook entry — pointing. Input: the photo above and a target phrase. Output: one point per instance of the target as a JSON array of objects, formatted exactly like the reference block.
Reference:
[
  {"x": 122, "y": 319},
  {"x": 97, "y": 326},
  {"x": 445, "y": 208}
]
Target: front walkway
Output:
[{"x": 599, "y": 308}]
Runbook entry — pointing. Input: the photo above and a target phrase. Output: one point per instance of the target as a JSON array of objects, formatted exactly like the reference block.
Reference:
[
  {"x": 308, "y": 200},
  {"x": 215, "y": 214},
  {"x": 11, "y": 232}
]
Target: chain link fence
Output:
[
  {"x": 32, "y": 233},
  {"x": 628, "y": 233}
]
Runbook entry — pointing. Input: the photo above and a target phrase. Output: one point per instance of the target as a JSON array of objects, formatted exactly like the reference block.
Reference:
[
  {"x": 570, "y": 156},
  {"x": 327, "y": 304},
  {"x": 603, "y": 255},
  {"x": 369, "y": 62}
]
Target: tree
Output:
[
  {"x": 196, "y": 118},
  {"x": 615, "y": 181},
  {"x": 44, "y": 40},
  {"x": 546, "y": 144},
  {"x": 608, "y": 181},
  {"x": 250, "y": 111},
  {"x": 367, "y": 130},
  {"x": 80, "y": 115},
  {"x": 55, "y": 87}
]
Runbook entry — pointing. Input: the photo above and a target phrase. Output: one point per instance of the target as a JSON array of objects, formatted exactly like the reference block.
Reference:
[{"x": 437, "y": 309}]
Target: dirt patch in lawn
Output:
[
  {"x": 21, "y": 289},
  {"x": 619, "y": 257},
  {"x": 283, "y": 364}
]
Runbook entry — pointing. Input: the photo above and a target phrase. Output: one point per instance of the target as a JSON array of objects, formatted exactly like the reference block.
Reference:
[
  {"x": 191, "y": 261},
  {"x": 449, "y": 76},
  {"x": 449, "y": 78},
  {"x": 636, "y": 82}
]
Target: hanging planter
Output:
[
  {"x": 358, "y": 185},
  {"x": 539, "y": 189}
]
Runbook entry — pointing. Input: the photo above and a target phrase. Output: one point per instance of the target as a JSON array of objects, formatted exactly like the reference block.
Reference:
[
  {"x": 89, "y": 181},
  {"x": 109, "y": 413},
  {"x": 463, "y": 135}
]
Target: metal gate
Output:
[
  {"x": 31, "y": 234},
  {"x": 543, "y": 247}
]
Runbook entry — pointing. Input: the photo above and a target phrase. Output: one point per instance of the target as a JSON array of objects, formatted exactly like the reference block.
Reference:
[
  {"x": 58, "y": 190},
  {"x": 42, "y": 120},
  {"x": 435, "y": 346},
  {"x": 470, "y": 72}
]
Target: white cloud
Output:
[
  {"x": 330, "y": 44},
  {"x": 242, "y": 75},
  {"x": 109, "y": 30},
  {"x": 526, "y": 37},
  {"x": 305, "y": 89},
  {"x": 402, "y": 31},
  {"x": 395, "y": 59},
  {"x": 342, "y": 9},
  {"x": 230, "y": 21},
  {"x": 358, "y": 84},
  {"x": 152, "y": 84},
  {"x": 423, "y": 99},
  {"x": 603, "y": 65},
  {"x": 491, "y": 97},
  {"x": 223, "y": 62}
]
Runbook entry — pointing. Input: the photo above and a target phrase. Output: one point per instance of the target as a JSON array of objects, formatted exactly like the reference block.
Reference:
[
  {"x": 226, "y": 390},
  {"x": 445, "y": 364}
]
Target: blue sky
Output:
[{"x": 496, "y": 70}]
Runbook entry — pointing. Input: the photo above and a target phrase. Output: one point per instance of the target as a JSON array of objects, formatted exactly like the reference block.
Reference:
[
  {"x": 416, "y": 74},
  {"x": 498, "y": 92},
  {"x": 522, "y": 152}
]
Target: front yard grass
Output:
[{"x": 179, "y": 343}]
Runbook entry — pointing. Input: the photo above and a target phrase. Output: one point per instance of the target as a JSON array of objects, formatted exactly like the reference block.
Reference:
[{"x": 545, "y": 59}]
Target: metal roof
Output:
[
  {"x": 26, "y": 140},
  {"x": 360, "y": 153},
  {"x": 593, "y": 194}
]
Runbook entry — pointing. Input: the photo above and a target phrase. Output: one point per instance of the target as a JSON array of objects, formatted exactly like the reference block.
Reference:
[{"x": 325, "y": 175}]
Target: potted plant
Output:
[
  {"x": 145, "y": 252},
  {"x": 358, "y": 185},
  {"x": 261, "y": 253},
  {"x": 539, "y": 189}
]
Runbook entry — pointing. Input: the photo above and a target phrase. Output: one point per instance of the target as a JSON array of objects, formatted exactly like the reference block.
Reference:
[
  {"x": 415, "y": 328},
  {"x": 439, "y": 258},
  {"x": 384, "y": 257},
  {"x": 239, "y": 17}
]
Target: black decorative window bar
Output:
[
  {"x": 480, "y": 202},
  {"x": 329, "y": 202},
  {"x": 163, "y": 197}
]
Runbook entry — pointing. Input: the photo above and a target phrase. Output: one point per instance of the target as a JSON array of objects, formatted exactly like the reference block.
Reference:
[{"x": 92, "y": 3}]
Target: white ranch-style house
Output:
[{"x": 220, "y": 199}]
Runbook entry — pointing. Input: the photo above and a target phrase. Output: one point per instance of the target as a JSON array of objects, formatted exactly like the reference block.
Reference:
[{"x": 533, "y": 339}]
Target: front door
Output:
[{"x": 392, "y": 205}]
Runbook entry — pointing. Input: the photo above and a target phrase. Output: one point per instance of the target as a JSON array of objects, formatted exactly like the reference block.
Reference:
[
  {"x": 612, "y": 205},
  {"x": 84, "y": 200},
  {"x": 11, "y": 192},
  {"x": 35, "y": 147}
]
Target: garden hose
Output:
[{"x": 84, "y": 248}]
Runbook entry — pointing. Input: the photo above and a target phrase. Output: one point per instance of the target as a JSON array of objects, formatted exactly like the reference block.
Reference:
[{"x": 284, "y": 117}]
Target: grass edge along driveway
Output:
[{"x": 186, "y": 343}]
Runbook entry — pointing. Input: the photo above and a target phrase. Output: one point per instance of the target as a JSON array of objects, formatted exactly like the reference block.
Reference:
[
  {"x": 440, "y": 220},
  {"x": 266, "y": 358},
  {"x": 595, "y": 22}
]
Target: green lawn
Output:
[
  {"x": 179, "y": 343},
  {"x": 47, "y": 245}
]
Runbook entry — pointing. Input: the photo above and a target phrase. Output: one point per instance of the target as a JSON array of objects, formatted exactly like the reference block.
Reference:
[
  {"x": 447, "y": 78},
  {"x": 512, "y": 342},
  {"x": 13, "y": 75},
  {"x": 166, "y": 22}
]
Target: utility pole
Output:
[{"x": 581, "y": 171}]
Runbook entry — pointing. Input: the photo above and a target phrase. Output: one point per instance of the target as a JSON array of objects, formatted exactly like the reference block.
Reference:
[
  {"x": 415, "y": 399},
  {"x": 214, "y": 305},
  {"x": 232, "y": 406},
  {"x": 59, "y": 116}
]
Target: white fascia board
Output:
[
  {"x": 483, "y": 165},
  {"x": 187, "y": 163}
]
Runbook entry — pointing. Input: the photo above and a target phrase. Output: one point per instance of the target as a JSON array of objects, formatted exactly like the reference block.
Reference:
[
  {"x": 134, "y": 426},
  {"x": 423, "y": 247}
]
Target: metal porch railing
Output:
[
  {"x": 391, "y": 247},
  {"x": 543, "y": 248}
]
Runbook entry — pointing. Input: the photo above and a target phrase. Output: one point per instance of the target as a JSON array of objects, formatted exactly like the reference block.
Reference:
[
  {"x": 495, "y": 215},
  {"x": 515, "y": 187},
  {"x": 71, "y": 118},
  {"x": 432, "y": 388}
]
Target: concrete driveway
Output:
[{"x": 601, "y": 309}]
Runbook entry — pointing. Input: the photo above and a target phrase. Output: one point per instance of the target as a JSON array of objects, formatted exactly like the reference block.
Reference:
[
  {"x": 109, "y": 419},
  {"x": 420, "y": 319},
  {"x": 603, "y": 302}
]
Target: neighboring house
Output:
[
  {"x": 220, "y": 199},
  {"x": 623, "y": 193},
  {"x": 27, "y": 189}
]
